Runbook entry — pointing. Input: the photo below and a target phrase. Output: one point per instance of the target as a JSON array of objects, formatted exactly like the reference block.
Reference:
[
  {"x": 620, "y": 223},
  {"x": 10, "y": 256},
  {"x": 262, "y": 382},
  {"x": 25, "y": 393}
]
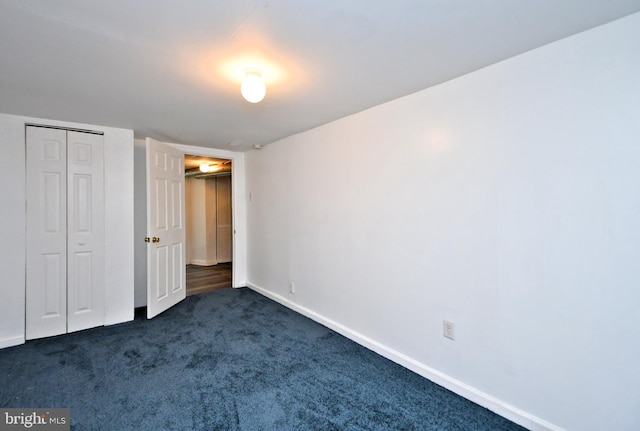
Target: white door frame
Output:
[{"x": 238, "y": 206}]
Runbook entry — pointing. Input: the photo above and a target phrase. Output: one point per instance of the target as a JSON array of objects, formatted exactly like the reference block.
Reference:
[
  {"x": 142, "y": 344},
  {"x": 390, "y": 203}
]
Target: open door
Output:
[{"x": 166, "y": 273}]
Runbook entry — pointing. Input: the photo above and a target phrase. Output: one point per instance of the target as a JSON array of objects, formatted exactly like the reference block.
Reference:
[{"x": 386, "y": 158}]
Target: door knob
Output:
[
  {"x": 147, "y": 239},
  {"x": 155, "y": 239}
]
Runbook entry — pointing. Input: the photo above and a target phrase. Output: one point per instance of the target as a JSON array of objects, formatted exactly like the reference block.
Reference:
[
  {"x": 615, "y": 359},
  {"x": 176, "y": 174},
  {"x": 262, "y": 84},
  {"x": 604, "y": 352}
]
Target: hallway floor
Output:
[{"x": 201, "y": 279}]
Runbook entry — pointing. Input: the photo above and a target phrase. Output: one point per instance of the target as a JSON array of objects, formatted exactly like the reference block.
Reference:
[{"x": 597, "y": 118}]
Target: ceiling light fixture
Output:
[
  {"x": 209, "y": 167},
  {"x": 253, "y": 88}
]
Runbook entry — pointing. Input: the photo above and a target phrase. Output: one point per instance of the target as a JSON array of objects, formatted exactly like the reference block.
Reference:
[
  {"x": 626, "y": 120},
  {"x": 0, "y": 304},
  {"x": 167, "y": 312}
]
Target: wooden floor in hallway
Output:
[{"x": 201, "y": 279}]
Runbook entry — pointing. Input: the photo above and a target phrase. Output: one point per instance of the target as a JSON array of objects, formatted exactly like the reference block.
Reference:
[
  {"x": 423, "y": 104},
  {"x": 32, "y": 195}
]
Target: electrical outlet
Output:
[
  {"x": 292, "y": 287},
  {"x": 449, "y": 329}
]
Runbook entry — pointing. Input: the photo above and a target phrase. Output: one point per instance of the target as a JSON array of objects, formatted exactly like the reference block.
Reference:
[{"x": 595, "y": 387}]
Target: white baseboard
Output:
[
  {"x": 10, "y": 342},
  {"x": 201, "y": 262},
  {"x": 483, "y": 399}
]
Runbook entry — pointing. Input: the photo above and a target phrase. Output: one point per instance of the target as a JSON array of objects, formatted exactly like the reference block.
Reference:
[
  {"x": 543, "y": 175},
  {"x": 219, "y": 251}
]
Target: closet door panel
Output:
[
  {"x": 224, "y": 234},
  {"x": 85, "y": 219},
  {"x": 46, "y": 206}
]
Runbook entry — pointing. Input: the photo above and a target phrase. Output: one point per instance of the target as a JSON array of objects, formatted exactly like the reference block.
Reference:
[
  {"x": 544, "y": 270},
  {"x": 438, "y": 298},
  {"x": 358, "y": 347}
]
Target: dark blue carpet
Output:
[{"x": 228, "y": 360}]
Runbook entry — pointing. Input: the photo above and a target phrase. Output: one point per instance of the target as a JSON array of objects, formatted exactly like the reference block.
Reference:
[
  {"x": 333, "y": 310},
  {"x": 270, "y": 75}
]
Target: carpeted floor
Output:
[{"x": 228, "y": 360}]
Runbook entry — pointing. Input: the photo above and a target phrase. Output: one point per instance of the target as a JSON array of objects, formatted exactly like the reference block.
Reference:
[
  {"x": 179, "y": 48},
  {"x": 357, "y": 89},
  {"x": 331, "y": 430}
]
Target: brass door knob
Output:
[
  {"x": 155, "y": 239},
  {"x": 147, "y": 239}
]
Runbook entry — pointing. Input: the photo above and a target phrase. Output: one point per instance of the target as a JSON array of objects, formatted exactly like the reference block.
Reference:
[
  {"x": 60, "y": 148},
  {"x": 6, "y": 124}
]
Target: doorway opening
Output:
[{"x": 209, "y": 223}]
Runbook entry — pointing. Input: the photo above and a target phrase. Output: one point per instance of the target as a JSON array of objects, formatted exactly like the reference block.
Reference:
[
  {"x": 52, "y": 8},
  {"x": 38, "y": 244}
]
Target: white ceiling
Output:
[{"x": 171, "y": 69}]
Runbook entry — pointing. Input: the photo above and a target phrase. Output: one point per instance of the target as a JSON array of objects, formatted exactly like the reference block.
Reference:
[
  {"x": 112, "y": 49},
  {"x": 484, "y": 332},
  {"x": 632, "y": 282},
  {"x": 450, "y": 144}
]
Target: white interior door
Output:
[
  {"x": 46, "y": 276},
  {"x": 85, "y": 231},
  {"x": 166, "y": 269}
]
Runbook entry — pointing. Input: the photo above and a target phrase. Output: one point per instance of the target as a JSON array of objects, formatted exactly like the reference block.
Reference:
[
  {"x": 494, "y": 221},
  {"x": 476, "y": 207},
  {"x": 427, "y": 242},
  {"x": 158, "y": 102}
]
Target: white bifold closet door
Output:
[
  {"x": 224, "y": 226},
  {"x": 65, "y": 231}
]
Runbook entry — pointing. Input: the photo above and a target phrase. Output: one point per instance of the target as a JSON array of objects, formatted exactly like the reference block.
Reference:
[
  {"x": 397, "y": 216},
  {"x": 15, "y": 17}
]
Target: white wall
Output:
[
  {"x": 140, "y": 221},
  {"x": 506, "y": 200},
  {"x": 12, "y": 231},
  {"x": 119, "y": 268}
]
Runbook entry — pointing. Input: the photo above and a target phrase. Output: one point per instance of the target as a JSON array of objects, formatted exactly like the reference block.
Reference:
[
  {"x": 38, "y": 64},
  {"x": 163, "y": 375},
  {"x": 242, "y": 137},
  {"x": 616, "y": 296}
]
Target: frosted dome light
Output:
[{"x": 253, "y": 88}]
